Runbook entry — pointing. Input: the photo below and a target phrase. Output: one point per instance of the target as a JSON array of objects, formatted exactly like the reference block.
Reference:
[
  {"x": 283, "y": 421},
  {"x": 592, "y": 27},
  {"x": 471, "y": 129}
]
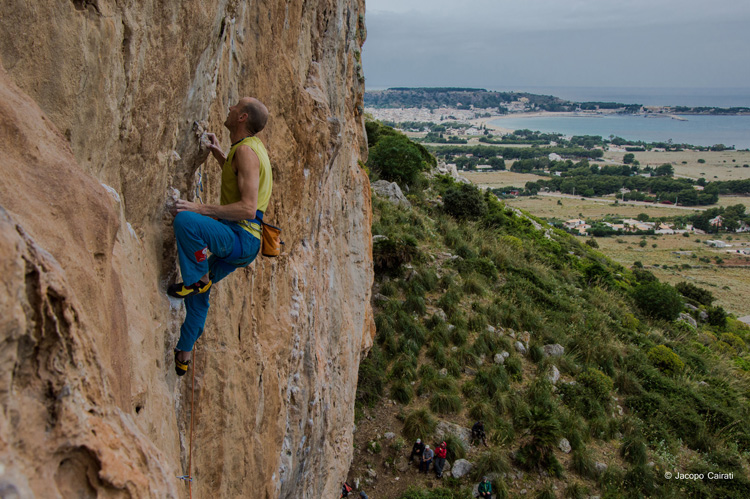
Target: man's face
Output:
[{"x": 235, "y": 113}]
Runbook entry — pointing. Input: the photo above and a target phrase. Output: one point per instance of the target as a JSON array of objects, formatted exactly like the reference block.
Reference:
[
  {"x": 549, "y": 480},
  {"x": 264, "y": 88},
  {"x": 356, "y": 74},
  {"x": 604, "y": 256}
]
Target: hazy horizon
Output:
[{"x": 504, "y": 45}]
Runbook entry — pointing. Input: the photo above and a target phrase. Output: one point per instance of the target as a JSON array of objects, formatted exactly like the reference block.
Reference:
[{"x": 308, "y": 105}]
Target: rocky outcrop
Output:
[{"x": 102, "y": 106}]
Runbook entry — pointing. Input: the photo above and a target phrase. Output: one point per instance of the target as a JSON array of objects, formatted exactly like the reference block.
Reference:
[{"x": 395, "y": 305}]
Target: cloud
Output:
[{"x": 574, "y": 43}]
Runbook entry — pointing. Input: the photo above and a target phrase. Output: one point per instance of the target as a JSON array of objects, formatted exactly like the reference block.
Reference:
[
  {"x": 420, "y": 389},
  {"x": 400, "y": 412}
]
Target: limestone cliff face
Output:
[{"x": 101, "y": 107}]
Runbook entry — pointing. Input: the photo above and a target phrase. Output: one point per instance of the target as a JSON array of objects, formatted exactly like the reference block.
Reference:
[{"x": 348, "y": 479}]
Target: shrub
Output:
[
  {"x": 592, "y": 243},
  {"x": 695, "y": 293},
  {"x": 576, "y": 490},
  {"x": 666, "y": 360},
  {"x": 482, "y": 411},
  {"x": 397, "y": 159},
  {"x": 445, "y": 403},
  {"x": 633, "y": 449},
  {"x": 419, "y": 424},
  {"x": 513, "y": 367},
  {"x": 390, "y": 254},
  {"x": 583, "y": 463},
  {"x": 450, "y": 301},
  {"x": 455, "y": 447},
  {"x": 464, "y": 201},
  {"x": 596, "y": 383},
  {"x": 401, "y": 391},
  {"x": 474, "y": 286},
  {"x": 490, "y": 461},
  {"x": 717, "y": 316},
  {"x": 415, "y": 304},
  {"x": 371, "y": 377},
  {"x": 658, "y": 300}
]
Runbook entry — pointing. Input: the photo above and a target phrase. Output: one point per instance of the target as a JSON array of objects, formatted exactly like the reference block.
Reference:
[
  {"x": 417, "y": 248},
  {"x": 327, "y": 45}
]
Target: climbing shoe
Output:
[
  {"x": 179, "y": 290},
  {"x": 180, "y": 367}
]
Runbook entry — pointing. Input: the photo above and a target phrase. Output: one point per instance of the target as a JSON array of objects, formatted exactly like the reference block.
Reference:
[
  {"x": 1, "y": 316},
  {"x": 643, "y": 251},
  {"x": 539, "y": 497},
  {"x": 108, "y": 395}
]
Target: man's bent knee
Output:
[{"x": 184, "y": 220}]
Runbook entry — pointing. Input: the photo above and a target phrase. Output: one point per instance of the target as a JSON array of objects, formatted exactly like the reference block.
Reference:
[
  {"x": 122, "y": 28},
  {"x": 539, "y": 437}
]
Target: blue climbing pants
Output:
[{"x": 231, "y": 247}]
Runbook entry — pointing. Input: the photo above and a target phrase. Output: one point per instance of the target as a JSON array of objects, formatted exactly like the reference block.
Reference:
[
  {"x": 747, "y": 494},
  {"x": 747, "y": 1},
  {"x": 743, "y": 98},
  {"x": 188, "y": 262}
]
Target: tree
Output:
[
  {"x": 658, "y": 300},
  {"x": 628, "y": 158},
  {"x": 397, "y": 159},
  {"x": 665, "y": 170},
  {"x": 464, "y": 201}
]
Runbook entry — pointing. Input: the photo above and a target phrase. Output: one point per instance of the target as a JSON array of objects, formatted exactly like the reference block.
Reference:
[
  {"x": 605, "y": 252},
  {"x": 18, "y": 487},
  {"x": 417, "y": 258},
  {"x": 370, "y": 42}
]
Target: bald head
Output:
[{"x": 257, "y": 114}]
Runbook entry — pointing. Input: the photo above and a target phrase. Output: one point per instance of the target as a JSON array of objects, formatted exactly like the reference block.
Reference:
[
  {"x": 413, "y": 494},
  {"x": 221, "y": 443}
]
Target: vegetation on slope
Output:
[{"x": 461, "y": 278}]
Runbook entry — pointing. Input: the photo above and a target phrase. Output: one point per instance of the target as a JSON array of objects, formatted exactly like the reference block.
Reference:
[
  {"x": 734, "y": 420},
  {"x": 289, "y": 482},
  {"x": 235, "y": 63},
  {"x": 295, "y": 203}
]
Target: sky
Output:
[{"x": 527, "y": 44}]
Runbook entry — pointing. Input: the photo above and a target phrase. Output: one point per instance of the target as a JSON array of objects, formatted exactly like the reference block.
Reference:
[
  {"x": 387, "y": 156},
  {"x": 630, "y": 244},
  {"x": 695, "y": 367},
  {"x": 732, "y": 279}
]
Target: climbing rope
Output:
[{"x": 189, "y": 477}]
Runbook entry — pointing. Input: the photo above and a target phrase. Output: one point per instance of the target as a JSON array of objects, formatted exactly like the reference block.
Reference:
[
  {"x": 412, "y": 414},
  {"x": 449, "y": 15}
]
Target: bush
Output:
[
  {"x": 397, "y": 159},
  {"x": 371, "y": 377},
  {"x": 666, "y": 360},
  {"x": 401, "y": 391},
  {"x": 482, "y": 411},
  {"x": 445, "y": 403},
  {"x": 491, "y": 461},
  {"x": 390, "y": 254},
  {"x": 658, "y": 300},
  {"x": 464, "y": 201},
  {"x": 596, "y": 383},
  {"x": 419, "y": 424},
  {"x": 695, "y": 293},
  {"x": 455, "y": 447},
  {"x": 717, "y": 316}
]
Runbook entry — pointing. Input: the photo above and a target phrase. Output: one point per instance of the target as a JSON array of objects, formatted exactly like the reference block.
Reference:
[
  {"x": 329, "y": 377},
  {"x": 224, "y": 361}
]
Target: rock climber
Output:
[{"x": 231, "y": 230}]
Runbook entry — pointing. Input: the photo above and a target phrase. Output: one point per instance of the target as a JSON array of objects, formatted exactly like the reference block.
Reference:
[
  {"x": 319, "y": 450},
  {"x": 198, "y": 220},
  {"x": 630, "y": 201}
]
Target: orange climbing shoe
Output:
[
  {"x": 180, "y": 367},
  {"x": 179, "y": 290}
]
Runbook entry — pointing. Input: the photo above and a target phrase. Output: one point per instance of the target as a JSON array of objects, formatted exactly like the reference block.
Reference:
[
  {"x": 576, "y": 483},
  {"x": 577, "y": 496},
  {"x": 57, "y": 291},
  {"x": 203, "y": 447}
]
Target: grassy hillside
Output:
[{"x": 461, "y": 278}]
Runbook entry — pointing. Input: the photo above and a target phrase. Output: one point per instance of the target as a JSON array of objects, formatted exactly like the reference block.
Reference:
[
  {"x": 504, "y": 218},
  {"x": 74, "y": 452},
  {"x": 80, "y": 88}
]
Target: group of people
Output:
[{"x": 425, "y": 456}]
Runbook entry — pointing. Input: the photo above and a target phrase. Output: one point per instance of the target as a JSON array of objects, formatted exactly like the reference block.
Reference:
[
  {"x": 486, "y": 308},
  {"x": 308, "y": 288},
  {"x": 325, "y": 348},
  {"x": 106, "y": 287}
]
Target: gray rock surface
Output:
[
  {"x": 461, "y": 467},
  {"x": 554, "y": 350},
  {"x": 520, "y": 347},
  {"x": 444, "y": 428},
  {"x": 390, "y": 191},
  {"x": 553, "y": 375},
  {"x": 689, "y": 319},
  {"x": 564, "y": 445},
  {"x": 499, "y": 359}
]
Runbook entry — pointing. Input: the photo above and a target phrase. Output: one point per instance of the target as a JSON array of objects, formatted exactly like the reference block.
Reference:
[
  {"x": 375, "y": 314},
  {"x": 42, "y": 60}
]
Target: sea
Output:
[{"x": 697, "y": 130}]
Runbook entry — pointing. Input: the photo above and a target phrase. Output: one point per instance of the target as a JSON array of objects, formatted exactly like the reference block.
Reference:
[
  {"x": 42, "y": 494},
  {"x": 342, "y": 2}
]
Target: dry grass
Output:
[
  {"x": 499, "y": 179},
  {"x": 718, "y": 166},
  {"x": 547, "y": 207},
  {"x": 730, "y": 285}
]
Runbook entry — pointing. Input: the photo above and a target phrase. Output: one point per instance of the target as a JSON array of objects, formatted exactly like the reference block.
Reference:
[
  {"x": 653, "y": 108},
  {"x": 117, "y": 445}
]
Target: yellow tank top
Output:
[{"x": 230, "y": 191}]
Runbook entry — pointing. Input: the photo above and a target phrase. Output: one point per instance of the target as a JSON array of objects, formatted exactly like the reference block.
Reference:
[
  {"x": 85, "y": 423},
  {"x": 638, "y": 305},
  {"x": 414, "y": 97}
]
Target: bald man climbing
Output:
[{"x": 231, "y": 230}]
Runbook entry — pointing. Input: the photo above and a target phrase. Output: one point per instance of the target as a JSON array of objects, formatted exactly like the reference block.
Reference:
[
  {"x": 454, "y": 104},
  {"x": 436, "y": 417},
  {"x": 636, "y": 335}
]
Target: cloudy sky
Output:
[{"x": 524, "y": 44}]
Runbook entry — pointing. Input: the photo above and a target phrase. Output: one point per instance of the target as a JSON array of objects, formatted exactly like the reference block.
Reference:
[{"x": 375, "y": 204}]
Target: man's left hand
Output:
[{"x": 182, "y": 205}]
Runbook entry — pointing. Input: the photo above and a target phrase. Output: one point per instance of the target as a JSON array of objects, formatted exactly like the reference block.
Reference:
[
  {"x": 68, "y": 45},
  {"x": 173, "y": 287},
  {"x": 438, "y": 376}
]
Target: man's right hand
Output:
[{"x": 215, "y": 148}]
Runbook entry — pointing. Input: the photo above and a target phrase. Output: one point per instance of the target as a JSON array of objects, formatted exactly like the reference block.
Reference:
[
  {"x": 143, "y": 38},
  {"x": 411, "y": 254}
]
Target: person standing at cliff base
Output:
[{"x": 231, "y": 230}]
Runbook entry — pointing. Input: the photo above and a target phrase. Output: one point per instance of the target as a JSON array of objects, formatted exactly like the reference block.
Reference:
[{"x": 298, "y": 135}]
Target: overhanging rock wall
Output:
[{"x": 100, "y": 106}]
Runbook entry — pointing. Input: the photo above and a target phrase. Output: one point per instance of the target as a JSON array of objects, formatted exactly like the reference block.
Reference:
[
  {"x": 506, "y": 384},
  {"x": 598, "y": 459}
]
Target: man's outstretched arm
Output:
[{"x": 248, "y": 180}]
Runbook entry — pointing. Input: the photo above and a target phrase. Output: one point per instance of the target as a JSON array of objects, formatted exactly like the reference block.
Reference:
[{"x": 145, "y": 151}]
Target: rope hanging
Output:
[{"x": 189, "y": 477}]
